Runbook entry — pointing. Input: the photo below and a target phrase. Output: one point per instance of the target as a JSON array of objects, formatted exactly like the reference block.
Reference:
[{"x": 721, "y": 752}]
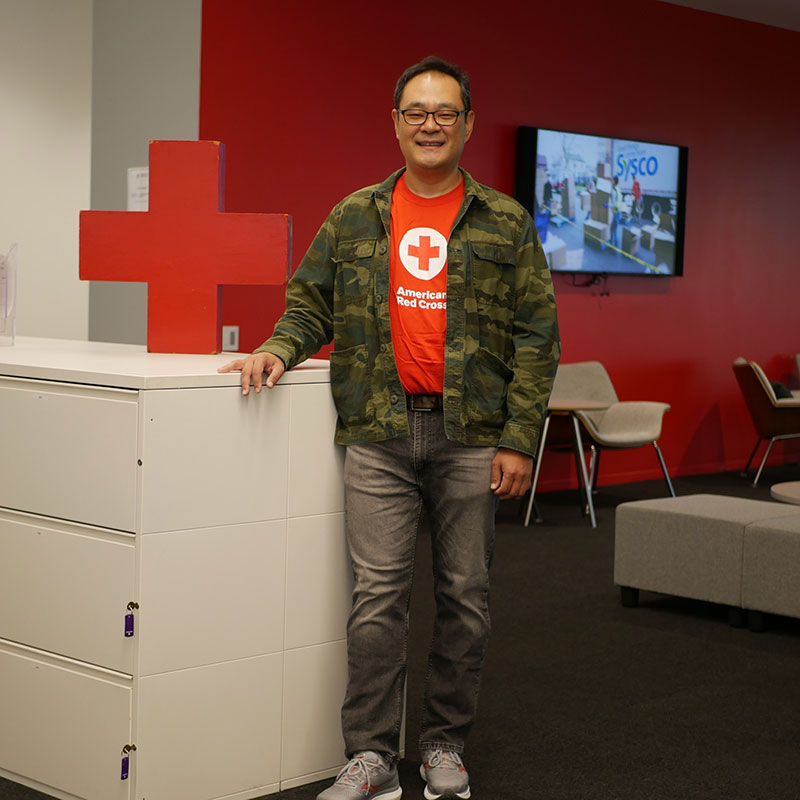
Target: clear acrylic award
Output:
[{"x": 8, "y": 290}]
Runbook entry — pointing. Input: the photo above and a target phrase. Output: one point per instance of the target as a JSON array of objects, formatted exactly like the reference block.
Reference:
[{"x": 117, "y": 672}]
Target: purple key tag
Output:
[
  {"x": 129, "y": 624},
  {"x": 126, "y": 761}
]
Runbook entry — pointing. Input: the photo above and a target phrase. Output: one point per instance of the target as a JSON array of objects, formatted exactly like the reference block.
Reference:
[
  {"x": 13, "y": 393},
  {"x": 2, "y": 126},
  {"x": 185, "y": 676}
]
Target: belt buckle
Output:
[{"x": 413, "y": 402}]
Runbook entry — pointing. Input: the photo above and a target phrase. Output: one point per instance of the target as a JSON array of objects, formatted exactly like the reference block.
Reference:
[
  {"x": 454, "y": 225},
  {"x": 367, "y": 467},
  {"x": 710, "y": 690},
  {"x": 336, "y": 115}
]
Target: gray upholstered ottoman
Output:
[
  {"x": 771, "y": 566},
  {"x": 688, "y": 546}
]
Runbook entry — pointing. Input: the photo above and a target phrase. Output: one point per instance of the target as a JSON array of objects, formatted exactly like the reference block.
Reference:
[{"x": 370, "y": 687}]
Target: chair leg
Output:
[
  {"x": 594, "y": 467},
  {"x": 531, "y": 503},
  {"x": 539, "y": 455},
  {"x": 580, "y": 470},
  {"x": 594, "y": 464},
  {"x": 576, "y": 427},
  {"x": 664, "y": 468},
  {"x": 752, "y": 455},
  {"x": 764, "y": 460},
  {"x": 537, "y": 515}
]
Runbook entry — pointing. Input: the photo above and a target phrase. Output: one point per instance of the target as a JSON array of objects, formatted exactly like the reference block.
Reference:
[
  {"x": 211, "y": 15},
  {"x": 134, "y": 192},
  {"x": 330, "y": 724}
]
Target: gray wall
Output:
[
  {"x": 145, "y": 85},
  {"x": 45, "y": 152}
]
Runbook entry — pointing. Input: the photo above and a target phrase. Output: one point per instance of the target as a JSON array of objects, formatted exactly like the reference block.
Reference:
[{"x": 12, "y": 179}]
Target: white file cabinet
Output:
[{"x": 145, "y": 486}]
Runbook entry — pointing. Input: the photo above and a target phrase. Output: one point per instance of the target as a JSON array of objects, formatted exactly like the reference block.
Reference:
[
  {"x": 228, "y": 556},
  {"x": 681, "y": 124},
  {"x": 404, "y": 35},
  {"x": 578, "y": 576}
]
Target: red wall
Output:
[{"x": 301, "y": 96}]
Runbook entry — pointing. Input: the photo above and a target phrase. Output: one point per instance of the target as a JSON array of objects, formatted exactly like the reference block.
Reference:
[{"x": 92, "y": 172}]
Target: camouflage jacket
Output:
[{"x": 501, "y": 345}]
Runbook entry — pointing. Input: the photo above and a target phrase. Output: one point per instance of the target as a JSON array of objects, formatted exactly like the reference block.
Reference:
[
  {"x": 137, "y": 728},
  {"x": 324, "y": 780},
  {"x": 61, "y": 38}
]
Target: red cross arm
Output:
[{"x": 424, "y": 252}]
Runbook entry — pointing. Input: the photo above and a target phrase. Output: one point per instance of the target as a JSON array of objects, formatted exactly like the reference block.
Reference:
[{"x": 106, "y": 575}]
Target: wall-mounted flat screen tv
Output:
[{"x": 603, "y": 205}]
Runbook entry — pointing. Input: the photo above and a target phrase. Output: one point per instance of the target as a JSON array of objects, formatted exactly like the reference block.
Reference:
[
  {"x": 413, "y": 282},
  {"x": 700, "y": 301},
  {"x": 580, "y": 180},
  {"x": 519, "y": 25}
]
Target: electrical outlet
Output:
[{"x": 230, "y": 337}]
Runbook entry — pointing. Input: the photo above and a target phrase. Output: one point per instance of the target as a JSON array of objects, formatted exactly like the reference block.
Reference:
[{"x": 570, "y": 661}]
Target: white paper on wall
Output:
[{"x": 138, "y": 188}]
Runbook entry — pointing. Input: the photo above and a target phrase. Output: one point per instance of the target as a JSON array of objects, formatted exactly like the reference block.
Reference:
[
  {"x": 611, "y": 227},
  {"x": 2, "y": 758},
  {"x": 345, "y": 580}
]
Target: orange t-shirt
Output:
[{"x": 418, "y": 284}]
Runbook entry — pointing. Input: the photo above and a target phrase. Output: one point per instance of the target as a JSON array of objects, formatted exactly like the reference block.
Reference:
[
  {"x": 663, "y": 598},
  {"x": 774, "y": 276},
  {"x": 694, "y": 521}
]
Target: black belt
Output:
[{"x": 424, "y": 402}]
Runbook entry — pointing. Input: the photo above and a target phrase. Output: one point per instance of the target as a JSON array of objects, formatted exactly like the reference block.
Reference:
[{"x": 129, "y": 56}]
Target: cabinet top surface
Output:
[{"x": 130, "y": 366}]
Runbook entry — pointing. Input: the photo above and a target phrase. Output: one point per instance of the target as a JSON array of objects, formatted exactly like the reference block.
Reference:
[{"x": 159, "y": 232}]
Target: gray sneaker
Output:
[
  {"x": 444, "y": 775},
  {"x": 366, "y": 775}
]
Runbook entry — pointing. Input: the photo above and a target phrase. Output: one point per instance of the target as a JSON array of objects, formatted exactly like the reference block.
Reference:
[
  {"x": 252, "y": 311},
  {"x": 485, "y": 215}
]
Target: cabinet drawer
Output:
[
  {"x": 211, "y": 595},
  {"x": 64, "y": 588},
  {"x": 313, "y": 457},
  {"x": 211, "y": 457},
  {"x": 63, "y": 726},
  {"x": 69, "y": 452},
  {"x": 212, "y": 731},
  {"x": 314, "y": 685}
]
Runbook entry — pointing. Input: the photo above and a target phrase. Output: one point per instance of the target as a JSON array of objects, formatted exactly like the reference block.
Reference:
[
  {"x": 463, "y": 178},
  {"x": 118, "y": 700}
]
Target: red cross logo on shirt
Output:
[{"x": 425, "y": 252}]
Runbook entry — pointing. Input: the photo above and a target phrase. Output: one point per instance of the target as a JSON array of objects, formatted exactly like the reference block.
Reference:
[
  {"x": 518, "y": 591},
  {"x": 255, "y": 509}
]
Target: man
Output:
[
  {"x": 616, "y": 211},
  {"x": 436, "y": 293},
  {"x": 548, "y": 194},
  {"x": 637, "y": 200}
]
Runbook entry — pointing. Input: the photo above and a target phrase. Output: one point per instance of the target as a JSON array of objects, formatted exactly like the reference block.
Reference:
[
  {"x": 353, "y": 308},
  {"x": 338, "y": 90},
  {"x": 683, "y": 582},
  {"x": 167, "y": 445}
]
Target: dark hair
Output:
[{"x": 434, "y": 64}]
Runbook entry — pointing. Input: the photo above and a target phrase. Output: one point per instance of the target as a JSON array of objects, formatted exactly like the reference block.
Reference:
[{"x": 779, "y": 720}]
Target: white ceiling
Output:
[{"x": 780, "y": 13}]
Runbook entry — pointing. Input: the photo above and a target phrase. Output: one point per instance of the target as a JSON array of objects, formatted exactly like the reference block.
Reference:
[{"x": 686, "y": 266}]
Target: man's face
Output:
[{"x": 431, "y": 146}]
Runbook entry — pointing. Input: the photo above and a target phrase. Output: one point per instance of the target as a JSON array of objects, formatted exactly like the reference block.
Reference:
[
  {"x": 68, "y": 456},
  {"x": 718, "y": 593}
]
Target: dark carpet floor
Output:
[{"x": 585, "y": 700}]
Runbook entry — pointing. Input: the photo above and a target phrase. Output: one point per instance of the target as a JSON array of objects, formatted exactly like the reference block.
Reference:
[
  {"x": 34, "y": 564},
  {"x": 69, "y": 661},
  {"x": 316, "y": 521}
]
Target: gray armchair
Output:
[{"x": 585, "y": 391}]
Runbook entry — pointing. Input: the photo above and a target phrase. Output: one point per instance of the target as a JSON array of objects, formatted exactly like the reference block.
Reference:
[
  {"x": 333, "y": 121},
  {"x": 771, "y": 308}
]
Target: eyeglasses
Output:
[{"x": 443, "y": 116}]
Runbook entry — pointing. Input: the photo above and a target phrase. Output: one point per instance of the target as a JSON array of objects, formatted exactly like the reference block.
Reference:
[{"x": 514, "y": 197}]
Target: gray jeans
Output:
[{"x": 387, "y": 484}]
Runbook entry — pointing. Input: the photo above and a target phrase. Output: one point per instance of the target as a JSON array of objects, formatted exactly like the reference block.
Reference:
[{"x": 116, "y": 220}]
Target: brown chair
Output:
[{"x": 774, "y": 418}]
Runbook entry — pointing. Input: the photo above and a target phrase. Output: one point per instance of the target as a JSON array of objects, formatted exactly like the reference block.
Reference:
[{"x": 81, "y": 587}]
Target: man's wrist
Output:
[{"x": 264, "y": 349}]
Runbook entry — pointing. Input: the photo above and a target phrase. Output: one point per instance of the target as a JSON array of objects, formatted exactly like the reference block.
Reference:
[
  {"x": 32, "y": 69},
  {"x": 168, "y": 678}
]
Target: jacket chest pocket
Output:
[
  {"x": 354, "y": 268},
  {"x": 492, "y": 275}
]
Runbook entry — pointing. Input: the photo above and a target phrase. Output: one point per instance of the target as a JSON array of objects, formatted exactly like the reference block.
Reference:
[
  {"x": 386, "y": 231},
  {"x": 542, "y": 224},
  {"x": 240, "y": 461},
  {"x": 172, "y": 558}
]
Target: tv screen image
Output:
[{"x": 604, "y": 205}]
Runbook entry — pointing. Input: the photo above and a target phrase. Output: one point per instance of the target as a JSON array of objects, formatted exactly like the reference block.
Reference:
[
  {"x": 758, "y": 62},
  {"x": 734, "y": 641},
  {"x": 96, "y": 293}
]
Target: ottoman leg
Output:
[
  {"x": 737, "y": 617},
  {"x": 756, "y": 621},
  {"x": 629, "y": 596}
]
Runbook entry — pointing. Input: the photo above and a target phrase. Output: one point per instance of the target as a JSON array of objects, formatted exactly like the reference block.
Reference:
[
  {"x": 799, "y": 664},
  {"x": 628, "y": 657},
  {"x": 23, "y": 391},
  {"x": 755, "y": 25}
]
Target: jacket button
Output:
[
  {"x": 379, "y": 298},
  {"x": 393, "y": 398},
  {"x": 382, "y": 250}
]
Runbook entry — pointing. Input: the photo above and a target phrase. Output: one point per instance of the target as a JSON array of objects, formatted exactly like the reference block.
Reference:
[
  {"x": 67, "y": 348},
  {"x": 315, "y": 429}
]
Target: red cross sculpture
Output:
[
  {"x": 424, "y": 252},
  {"x": 185, "y": 247}
]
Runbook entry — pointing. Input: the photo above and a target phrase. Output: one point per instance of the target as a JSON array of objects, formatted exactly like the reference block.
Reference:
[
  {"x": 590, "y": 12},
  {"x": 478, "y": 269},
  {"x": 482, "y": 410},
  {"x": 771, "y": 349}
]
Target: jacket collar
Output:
[{"x": 383, "y": 191}]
